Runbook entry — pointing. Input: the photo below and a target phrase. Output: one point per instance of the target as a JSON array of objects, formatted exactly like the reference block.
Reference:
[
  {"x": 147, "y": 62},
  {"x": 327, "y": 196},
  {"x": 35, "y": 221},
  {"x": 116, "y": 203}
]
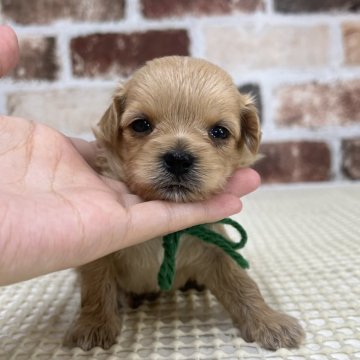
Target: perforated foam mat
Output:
[{"x": 304, "y": 249}]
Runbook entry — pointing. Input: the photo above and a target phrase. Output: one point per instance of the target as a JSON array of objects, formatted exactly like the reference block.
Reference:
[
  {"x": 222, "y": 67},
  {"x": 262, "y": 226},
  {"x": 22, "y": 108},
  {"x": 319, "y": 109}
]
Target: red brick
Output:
[
  {"x": 166, "y": 8},
  {"x": 314, "y": 105},
  {"x": 107, "y": 55},
  {"x": 289, "y": 162},
  {"x": 351, "y": 158},
  {"x": 45, "y": 11},
  {"x": 315, "y": 6},
  {"x": 37, "y": 59},
  {"x": 351, "y": 41}
]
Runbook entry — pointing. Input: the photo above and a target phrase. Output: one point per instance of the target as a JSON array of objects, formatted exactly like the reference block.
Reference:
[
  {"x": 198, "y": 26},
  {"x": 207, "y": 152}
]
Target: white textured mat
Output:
[{"x": 304, "y": 251}]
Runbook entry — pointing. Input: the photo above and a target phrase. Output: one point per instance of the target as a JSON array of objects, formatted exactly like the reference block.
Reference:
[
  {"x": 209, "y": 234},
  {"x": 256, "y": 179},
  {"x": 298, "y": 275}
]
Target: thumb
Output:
[
  {"x": 156, "y": 218},
  {"x": 9, "y": 49}
]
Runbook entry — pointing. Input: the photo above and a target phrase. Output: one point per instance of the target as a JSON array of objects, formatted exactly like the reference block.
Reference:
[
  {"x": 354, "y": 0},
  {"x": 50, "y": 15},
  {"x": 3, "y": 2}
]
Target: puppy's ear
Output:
[
  {"x": 109, "y": 126},
  {"x": 250, "y": 125}
]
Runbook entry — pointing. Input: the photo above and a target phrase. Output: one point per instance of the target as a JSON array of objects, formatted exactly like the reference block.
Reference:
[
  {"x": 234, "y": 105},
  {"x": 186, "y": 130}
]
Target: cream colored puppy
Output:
[{"x": 176, "y": 131}]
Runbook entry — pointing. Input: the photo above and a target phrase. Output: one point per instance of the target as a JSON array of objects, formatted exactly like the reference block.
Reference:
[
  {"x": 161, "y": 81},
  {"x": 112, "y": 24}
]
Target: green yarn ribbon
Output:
[{"x": 171, "y": 242}]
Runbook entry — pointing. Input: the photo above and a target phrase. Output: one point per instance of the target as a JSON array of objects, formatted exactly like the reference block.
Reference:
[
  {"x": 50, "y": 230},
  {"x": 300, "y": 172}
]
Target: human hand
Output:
[{"x": 56, "y": 212}]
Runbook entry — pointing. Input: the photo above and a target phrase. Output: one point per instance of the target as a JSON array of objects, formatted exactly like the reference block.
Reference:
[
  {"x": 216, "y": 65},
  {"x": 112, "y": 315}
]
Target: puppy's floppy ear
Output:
[
  {"x": 249, "y": 124},
  {"x": 109, "y": 126}
]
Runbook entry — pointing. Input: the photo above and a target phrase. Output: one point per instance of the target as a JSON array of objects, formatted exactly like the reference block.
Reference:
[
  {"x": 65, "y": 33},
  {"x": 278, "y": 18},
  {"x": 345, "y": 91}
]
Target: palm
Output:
[{"x": 45, "y": 178}]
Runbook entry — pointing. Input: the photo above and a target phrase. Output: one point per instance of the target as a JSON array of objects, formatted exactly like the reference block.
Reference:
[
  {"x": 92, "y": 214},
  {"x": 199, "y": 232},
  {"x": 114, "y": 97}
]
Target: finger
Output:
[
  {"x": 166, "y": 217},
  {"x": 163, "y": 217},
  {"x": 243, "y": 182},
  {"x": 9, "y": 49}
]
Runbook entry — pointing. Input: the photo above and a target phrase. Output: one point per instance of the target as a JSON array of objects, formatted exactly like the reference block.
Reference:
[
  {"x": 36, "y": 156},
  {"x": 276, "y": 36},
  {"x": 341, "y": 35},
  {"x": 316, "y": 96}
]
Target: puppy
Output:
[{"x": 176, "y": 131}]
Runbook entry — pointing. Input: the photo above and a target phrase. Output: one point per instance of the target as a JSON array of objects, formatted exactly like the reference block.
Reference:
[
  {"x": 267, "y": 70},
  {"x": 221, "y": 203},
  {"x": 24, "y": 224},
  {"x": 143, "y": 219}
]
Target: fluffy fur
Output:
[{"x": 183, "y": 100}]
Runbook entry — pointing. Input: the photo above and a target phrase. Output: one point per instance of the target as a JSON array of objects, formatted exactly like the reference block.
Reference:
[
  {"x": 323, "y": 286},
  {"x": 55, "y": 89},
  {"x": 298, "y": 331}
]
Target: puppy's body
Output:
[{"x": 176, "y": 131}]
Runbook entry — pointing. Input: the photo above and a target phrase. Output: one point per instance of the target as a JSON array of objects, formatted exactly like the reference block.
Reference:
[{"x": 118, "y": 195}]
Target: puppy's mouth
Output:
[
  {"x": 175, "y": 187},
  {"x": 178, "y": 192},
  {"x": 178, "y": 176}
]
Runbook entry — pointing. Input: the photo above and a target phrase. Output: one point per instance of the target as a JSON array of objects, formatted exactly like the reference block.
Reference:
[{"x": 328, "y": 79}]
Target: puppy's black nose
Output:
[{"x": 178, "y": 162}]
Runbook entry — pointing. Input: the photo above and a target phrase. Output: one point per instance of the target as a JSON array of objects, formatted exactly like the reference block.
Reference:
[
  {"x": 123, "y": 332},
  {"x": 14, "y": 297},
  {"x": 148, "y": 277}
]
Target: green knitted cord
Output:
[{"x": 171, "y": 242}]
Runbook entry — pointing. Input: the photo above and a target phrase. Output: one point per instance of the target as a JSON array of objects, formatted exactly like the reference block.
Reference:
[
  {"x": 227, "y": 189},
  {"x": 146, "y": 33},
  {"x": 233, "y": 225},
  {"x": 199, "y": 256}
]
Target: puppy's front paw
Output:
[
  {"x": 274, "y": 331},
  {"x": 89, "y": 335}
]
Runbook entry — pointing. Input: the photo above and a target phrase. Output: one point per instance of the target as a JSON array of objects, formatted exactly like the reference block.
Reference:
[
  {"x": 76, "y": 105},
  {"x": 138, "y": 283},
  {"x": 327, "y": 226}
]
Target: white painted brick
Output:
[
  {"x": 73, "y": 111},
  {"x": 250, "y": 47}
]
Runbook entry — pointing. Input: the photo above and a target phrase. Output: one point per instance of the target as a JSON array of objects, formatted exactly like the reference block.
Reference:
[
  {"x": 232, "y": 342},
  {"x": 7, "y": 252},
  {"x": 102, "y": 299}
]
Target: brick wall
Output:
[{"x": 301, "y": 58}]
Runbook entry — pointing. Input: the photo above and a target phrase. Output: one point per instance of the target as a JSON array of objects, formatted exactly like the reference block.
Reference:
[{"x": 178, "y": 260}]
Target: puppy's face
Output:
[{"x": 178, "y": 129}]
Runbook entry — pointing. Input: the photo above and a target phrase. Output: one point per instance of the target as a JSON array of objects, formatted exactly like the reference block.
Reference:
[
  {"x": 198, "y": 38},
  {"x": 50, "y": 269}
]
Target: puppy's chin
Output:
[{"x": 180, "y": 193}]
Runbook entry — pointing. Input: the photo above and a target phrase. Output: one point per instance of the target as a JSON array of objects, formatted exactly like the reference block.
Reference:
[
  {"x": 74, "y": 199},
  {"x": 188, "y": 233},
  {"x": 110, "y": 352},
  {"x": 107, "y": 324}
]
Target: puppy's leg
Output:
[
  {"x": 136, "y": 300},
  {"x": 192, "y": 284},
  {"x": 240, "y": 295},
  {"x": 99, "y": 322}
]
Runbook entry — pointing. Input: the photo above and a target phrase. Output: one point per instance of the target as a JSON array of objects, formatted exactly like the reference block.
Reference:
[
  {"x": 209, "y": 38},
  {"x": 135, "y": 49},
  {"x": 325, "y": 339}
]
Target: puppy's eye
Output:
[
  {"x": 142, "y": 125},
  {"x": 219, "y": 132}
]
